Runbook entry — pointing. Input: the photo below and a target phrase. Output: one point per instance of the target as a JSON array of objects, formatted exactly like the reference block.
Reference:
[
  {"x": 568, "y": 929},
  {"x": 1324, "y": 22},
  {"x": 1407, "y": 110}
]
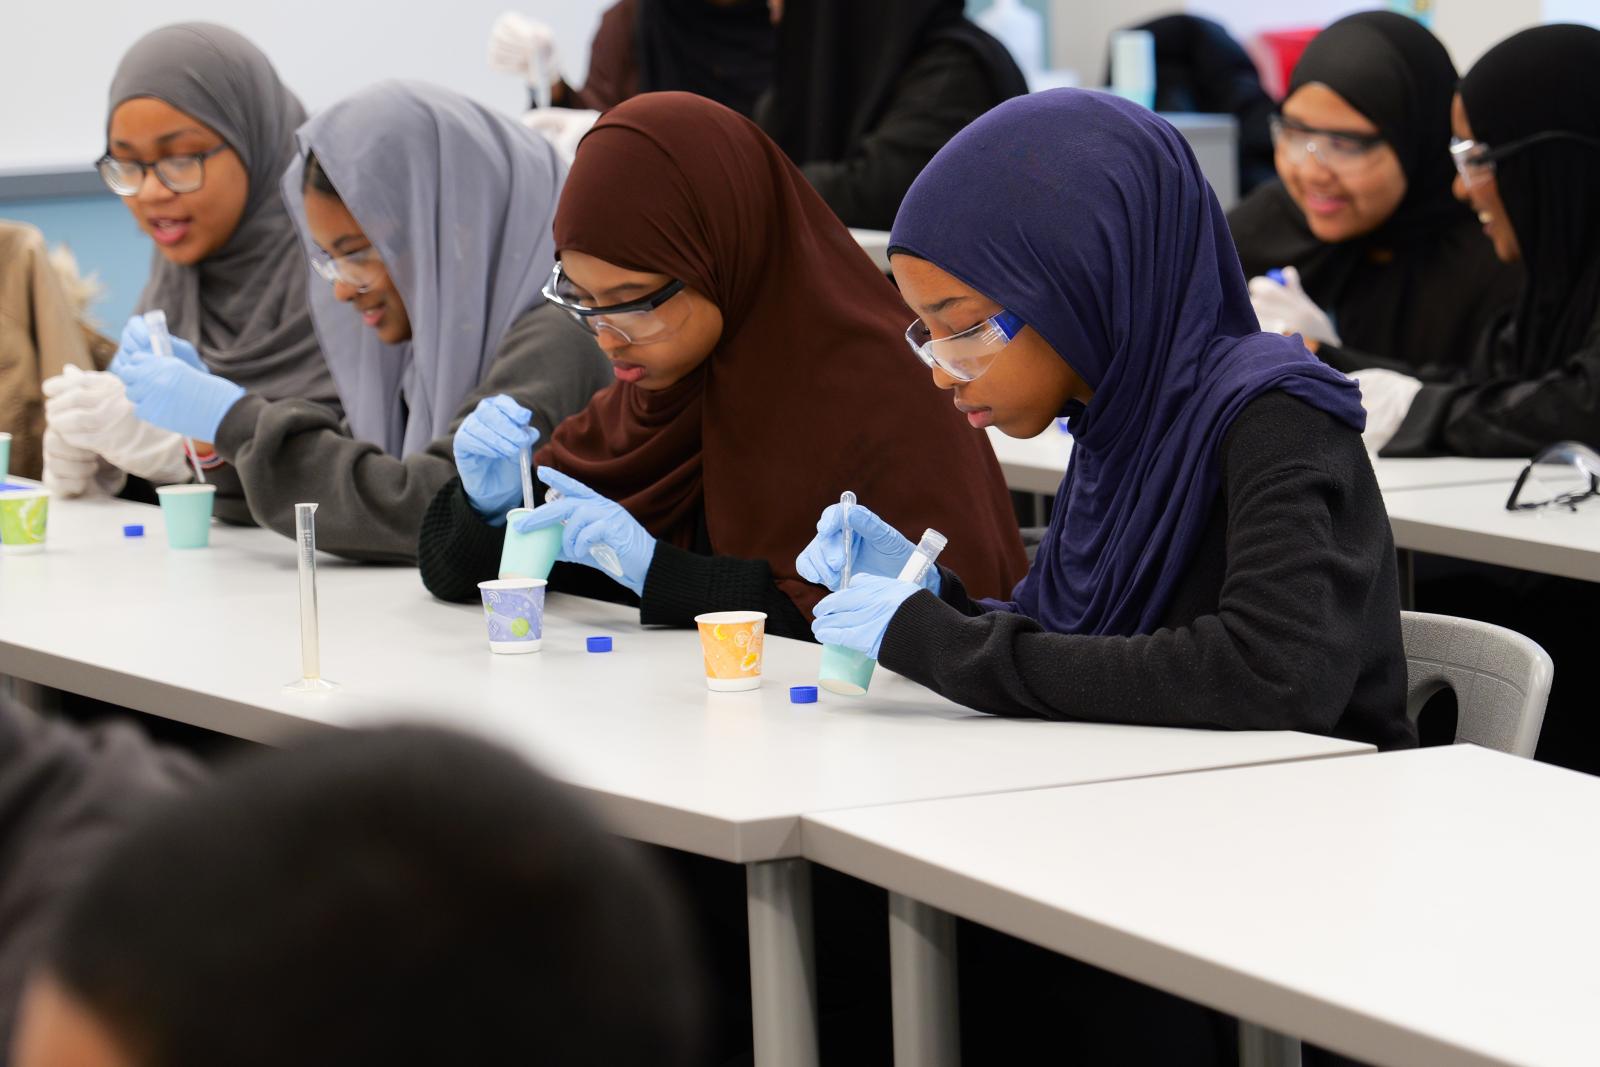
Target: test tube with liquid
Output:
[
  {"x": 847, "y": 500},
  {"x": 305, "y": 538},
  {"x": 161, "y": 343},
  {"x": 602, "y": 554},
  {"x": 923, "y": 556}
]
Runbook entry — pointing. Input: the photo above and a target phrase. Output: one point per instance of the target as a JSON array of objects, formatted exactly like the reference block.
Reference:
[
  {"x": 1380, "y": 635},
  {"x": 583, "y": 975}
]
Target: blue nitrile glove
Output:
[
  {"x": 858, "y": 617},
  {"x": 136, "y": 338},
  {"x": 878, "y": 549},
  {"x": 593, "y": 520},
  {"x": 174, "y": 396},
  {"x": 488, "y": 449}
]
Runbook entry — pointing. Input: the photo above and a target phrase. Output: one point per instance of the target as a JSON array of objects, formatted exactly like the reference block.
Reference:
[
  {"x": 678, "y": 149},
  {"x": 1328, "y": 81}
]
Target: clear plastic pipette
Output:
[
  {"x": 527, "y": 478},
  {"x": 847, "y": 500},
  {"x": 161, "y": 341}
]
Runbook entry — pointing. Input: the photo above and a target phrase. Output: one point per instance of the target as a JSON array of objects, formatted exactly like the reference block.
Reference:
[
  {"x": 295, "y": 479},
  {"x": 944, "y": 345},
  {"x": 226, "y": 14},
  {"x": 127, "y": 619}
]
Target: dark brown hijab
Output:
[{"x": 811, "y": 389}]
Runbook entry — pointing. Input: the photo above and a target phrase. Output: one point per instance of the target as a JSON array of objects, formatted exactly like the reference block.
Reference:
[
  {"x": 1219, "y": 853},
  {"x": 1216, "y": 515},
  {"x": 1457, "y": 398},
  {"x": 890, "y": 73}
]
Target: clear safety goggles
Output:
[
  {"x": 1475, "y": 160},
  {"x": 1342, "y": 153},
  {"x": 965, "y": 355},
  {"x": 1563, "y": 475},
  {"x": 181, "y": 174},
  {"x": 362, "y": 269},
  {"x": 638, "y": 322}
]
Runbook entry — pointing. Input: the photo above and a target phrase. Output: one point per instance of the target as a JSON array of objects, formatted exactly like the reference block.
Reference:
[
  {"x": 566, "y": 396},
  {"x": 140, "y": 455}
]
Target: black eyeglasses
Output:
[
  {"x": 181, "y": 174},
  {"x": 1583, "y": 460}
]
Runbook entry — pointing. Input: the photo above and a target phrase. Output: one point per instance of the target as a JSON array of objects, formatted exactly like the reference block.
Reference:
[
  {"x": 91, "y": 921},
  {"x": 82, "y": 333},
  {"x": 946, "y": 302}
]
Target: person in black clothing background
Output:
[
  {"x": 1527, "y": 122},
  {"x": 866, "y": 91},
  {"x": 1392, "y": 271},
  {"x": 760, "y": 372}
]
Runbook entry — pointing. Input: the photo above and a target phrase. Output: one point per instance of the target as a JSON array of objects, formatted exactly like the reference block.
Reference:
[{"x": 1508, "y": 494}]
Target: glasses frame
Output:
[
  {"x": 329, "y": 267},
  {"x": 1484, "y": 162},
  {"x": 1005, "y": 323},
  {"x": 1279, "y": 125},
  {"x": 1581, "y": 456},
  {"x": 198, "y": 158},
  {"x": 584, "y": 314}
]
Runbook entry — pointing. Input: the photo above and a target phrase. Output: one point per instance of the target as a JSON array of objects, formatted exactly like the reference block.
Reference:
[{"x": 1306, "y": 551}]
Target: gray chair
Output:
[{"x": 1501, "y": 681}]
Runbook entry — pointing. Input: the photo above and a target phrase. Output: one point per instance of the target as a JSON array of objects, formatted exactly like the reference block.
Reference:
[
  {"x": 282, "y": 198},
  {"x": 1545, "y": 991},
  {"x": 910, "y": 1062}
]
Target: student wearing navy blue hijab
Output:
[{"x": 1219, "y": 555}]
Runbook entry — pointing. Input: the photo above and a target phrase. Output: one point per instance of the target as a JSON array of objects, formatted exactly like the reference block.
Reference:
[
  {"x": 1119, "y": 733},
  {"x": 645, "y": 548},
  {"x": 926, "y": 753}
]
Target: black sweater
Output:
[
  {"x": 457, "y": 549},
  {"x": 1288, "y": 617}
]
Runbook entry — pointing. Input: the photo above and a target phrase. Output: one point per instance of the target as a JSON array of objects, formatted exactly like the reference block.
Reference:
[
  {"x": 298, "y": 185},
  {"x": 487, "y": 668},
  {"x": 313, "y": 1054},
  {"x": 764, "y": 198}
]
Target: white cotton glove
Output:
[
  {"x": 70, "y": 471},
  {"x": 563, "y": 127},
  {"x": 521, "y": 46},
  {"x": 1387, "y": 396},
  {"x": 1285, "y": 308},
  {"x": 90, "y": 411}
]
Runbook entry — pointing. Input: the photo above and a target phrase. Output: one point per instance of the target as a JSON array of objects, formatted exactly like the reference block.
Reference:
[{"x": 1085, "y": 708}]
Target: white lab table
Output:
[
  {"x": 1437, "y": 906},
  {"x": 1471, "y": 522},
  {"x": 209, "y": 637}
]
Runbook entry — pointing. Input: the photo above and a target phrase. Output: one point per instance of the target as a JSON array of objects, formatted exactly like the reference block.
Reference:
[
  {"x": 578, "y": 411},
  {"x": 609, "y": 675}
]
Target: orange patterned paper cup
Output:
[{"x": 731, "y": 642}]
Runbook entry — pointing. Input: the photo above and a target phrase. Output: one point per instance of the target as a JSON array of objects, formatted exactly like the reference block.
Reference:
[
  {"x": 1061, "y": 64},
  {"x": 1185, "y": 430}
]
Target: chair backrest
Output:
[{"x": 1501, "y": 679}]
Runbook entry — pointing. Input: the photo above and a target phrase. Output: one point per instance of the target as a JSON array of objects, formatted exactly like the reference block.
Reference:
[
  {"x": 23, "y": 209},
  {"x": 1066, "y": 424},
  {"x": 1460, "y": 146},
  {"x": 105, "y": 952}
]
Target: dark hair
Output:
[
  {"x": 396, "y": 896},
  {"x": 317, "y": 178}
]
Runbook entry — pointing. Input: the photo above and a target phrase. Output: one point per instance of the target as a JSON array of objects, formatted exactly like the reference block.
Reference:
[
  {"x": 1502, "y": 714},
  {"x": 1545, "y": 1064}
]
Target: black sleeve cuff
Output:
[
  {"x": 238, "y": 425},
  {"x": 456, "y": 548},
  {"x": 913, "y": 645},
  {"x": 1422, "y": 431},
  {"x": 682, "y": 584}
]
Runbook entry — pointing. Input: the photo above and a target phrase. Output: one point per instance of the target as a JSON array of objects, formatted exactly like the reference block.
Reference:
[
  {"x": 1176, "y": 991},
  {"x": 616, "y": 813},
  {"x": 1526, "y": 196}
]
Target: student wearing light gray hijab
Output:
[
  {"x": 199, "y": 130},
  {"x": 428, "y": 219}
]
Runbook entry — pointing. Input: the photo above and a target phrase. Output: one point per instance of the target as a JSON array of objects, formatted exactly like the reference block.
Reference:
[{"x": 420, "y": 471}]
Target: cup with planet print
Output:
[
  {"x": 731, "y": 643},
  {"x": 513, "y": 609}
]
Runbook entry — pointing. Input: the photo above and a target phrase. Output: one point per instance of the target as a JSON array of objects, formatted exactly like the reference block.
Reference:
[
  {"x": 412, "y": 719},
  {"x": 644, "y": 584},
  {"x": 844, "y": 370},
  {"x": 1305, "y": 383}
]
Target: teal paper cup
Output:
[
  {"x": 24, "y": 514},
  {"x": 845, "y": 671},
  {"x": 186, "y": 509},
  {"x": 5, "y": 456},
  {"x": 531, "y": 554}
]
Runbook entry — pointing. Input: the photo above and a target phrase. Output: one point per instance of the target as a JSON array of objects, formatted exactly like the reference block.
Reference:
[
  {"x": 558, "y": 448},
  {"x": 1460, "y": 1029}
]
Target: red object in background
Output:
[{"x": 1282, "y": 50}]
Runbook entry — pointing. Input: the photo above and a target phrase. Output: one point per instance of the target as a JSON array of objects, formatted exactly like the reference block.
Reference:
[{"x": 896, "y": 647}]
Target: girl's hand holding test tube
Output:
[
  {"x": 598, "y": 532},
  {"x": 876, "y": 548}
]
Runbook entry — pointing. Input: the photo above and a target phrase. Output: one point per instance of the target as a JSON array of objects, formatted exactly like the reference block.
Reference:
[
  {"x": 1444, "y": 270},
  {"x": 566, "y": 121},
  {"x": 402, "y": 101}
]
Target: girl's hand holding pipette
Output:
[
  {"x": 174, "y": 396},
  {"x": 488, "y": 450},
  {"x": 878, "y": 549},
  {"x": 591, "y": 520},
  {"x": 136, "y": 338},
  {"x": 858, "y": 617}
]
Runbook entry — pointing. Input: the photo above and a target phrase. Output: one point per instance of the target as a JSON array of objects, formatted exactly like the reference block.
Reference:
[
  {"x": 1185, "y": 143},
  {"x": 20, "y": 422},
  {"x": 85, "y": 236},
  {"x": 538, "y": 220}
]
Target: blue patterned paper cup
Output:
[{"x": 513, "y": 609}]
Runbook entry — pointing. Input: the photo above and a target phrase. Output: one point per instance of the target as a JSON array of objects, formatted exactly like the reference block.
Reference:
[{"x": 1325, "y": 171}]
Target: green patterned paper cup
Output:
[
  {"x": 24, "y": 514},
  {"x": 186, "y": 509}
]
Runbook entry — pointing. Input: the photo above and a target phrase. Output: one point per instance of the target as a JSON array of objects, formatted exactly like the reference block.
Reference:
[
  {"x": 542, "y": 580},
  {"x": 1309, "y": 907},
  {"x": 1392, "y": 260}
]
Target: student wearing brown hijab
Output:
[{"x": 761, "y": 371}]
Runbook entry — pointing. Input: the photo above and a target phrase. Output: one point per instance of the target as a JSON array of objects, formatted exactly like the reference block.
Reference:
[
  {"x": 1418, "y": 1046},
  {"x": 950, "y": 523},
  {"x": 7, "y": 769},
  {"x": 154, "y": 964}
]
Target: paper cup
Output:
[
  {"x": 186, "y": 510},
  {"x": 513, "y": 609},
  {"x": 845, "y": 671},
  {"x": 24, "y": 514},
  {"x": 531, "y": 554},
  {"x": 5, "y": 456},
  {"x": 731, "y": 642}
]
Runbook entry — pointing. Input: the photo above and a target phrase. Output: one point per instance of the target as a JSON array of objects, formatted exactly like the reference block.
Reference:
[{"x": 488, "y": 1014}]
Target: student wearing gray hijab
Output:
[
  {"x": 428, "y": 219},
  {"x": 199, "y": 131}
]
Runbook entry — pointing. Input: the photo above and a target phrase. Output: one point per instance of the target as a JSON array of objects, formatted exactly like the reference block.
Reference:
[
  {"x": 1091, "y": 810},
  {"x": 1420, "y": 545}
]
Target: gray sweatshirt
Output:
[
  {"x": 286, "y": 452},
  {"x": 66, "y": 793}
]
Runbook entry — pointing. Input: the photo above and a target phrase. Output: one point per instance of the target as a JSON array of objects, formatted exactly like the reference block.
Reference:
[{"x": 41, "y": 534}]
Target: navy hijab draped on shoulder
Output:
[{"x": 1088, "y": 217}]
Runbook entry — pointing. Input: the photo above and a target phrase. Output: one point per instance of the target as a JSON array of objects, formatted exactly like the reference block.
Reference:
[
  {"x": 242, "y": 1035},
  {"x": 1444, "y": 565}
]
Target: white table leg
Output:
[
  {"x": 922, "y": 968},
  {"x": 1260, "y": 1047},
  {"x": 783, "y": 971}
]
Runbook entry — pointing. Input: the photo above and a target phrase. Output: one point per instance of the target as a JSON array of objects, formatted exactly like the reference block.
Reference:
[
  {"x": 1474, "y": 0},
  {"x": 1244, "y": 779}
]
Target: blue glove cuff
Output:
[{"x": 212, "y": 405}]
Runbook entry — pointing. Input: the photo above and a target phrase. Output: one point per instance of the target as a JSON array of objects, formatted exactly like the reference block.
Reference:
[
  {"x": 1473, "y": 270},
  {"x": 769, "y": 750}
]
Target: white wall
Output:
[{"x": 56, "y": 62}]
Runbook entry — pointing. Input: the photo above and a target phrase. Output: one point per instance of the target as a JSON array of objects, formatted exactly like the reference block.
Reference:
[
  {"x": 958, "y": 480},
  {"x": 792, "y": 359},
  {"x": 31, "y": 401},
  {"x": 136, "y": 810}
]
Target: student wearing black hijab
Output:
[
  {"x": 1527, "y": 123},
  {"x": 866, "y": 91},
  {"x": 1388, "y": 270}
]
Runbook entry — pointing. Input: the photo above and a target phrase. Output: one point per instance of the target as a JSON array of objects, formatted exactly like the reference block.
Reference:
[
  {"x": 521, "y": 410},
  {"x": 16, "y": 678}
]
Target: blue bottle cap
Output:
[
  {"x": 598, "y": 644},
  {"x": 134, "y": 530},
  {"x": 802, "y": 694}
]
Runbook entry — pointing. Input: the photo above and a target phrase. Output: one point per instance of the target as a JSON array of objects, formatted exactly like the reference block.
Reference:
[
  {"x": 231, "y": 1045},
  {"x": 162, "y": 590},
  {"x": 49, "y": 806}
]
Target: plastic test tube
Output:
[
  {"x": 847, "y": 500},
  {"x": 161, "y": 341},
  {"x": 602, "y": 554},
  {"x": 923, "y": 556},
  {"x": 305, "y": 536}
]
